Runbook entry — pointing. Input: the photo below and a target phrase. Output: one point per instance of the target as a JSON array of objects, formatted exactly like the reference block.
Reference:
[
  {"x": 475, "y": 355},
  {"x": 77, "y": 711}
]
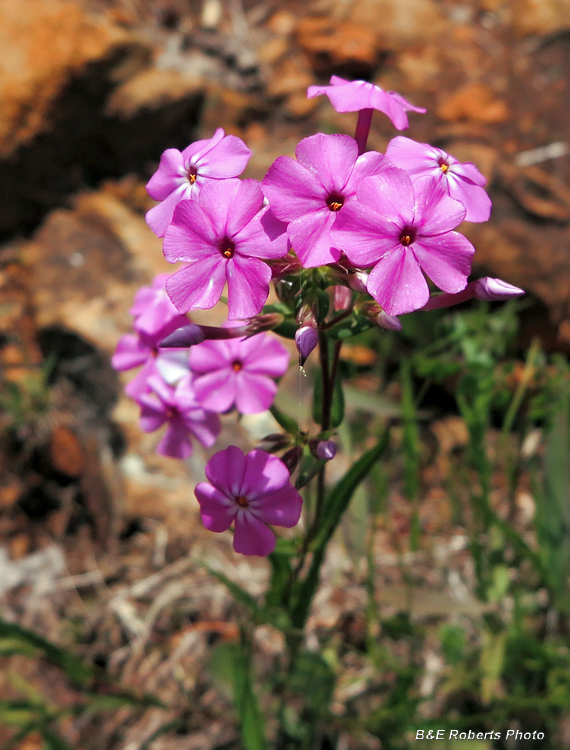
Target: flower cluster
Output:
[
  {"x": 350, "y": 239},
  {"x": 187, "y": 393}
]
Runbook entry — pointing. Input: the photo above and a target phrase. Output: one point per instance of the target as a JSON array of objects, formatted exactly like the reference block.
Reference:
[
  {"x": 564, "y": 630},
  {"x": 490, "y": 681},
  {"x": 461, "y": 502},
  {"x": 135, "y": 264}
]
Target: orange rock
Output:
[
  {"x": 329, "y": 45},
  {"x": 66, "y": 452},
  {"x": 475, "y": 102},
  {"x": 45, "y": 44}
]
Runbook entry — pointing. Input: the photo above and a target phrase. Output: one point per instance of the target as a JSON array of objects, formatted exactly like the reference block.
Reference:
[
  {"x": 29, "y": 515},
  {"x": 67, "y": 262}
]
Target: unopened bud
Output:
[
  {"x": 389, "y": 322},
  {"x": 185, "y": 336},
  {"x": 494, "y": 290},
  {"x": 325, "y": 450},
  {"x": 275, "y": 442},
  {"x": 306, "y": 339},
  {"x": 292, "y": 457},
  {"x": 264, "y": 322},
  {"x": 357, "y": 281},
  {"x": 342, "y": 298}
]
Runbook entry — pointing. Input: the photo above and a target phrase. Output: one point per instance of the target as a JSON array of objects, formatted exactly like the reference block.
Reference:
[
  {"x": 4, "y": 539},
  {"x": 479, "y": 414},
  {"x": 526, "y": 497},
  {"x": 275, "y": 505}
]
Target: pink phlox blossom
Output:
[
  {"x": 225, "y": 235},
  {"x": 353, "y": 96},
  {"x": 177, "y": 407},
  {"x": 401, "y": 229},
  {"x": 238, "y": 372},
  {"x": 154, "y": 314},
  {"x": 461, "y": 181},
  {"x": 311, "y": 192},
  {"x": 138, "y": 350},
  {"x": 181, "y": 174},
  {"x": 252, "y": 491}
]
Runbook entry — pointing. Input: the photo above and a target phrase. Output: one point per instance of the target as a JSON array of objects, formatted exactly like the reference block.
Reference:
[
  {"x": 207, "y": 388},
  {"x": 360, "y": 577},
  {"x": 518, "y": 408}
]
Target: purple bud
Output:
[
  {"x": 292, "y": 457},
  {"x": 389, "y": 322},
  {"x": 264, "y": 322},
  {"x": 357, "y": 281},
  {"x": 325, "y": 450},
  {"x": 306, "y": 338},
  {"x": 495, "y": 290},
  {"x": 185, "y": 336}
]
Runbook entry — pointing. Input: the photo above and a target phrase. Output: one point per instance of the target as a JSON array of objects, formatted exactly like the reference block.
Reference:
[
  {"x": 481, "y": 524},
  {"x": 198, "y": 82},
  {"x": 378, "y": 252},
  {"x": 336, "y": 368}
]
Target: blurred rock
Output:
[
  {"x": 540, "y": 16},
  {"x": 59, "y": 69},
  {"x": 333, "y": 47},
  {"x": 86, "y": 265},
  {"x": 475, "y": 102},
  {"x": 400, "y": 24}
]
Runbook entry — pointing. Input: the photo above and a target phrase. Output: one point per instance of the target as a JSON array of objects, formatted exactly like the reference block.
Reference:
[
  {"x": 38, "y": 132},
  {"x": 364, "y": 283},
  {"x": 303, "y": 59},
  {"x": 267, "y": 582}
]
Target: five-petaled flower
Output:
[
  {"x": 225, "y": 235},
  {"x": 401, "y": 229},
  {"x": 185, "y": 417},
  {"x": 252, "y": 490},
  {"x": 311, "y": 192},
  {"x": 238, "y": 372},
  {"x": 181, "y": 174},
  {"x": 353, "y": 96},
  {"x": 462, "y": 181}
]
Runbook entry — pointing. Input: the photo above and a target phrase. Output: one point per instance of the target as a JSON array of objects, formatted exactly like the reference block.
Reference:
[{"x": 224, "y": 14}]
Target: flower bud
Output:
[
  {"x": 292, "y": 457},
  {"x": 389, "y": 322},
  {"x": 264, "y": 322},
  {"x": 306, "y": 339},
  {"x": 185, "y": 336},
  {"x": 325, "y": 450},
  {"x": 494, "y": 290},
  {"x": 342, "y": 298}
]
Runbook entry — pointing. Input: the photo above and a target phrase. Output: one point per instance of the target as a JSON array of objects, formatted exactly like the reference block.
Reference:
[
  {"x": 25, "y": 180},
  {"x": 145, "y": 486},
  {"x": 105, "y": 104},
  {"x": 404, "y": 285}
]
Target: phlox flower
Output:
[
  {"x": 311, "y": 192},
  {"x": 184, "y": 416},
  {"x": 238, "y": 372},
  {"x": 139, "y": 350},
  {"x": 353, "y": 96},
  {"x": 224, "y": 235},
  {"x": 181, "y": 174},
  {"x": 401, "y": 229},
  {"x": 154, "y": 314},
  {"x": 252, "y": 490},
  {"x": 461, "y": 181}
]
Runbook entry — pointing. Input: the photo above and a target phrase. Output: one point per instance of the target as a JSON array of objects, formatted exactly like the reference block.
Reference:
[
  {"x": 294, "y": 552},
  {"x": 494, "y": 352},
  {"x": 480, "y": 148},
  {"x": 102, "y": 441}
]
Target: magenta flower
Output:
[
  {"x": 353, "y": 96},
  {"x": 313, "y": 191},
  {"x": 461, "y": 181},
  {"x": 253, "y": 490},
  {"x": 180, "y": 175},
  {"x": 403, "y": 228},
  {"x": 177, "y": 407},
  {"x": 155, "y": 315},
  {"x": 137, "y": 350},
  {"x": 238, "y": 372},
  {"x": 224, "y": 235}
]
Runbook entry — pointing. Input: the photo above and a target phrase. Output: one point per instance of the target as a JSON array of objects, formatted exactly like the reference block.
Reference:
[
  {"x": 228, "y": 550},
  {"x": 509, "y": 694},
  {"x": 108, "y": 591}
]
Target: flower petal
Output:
[
  {"x": 263, "y": 475},
  {"x": 330, "y": 158},
  {"x": 191, "y": 235},
  {"x": 175, "y": 442},
  {"x": 159, "y": 217},
  {"x": 436, "y": 212},
  {"x": 225, "y": 470},
  {"x": 168, "y": 176},
  {"x": 248, "y": 286},
  {"x": 281, "y": 508},
  {"x": 254, "y": 393},
  {"x": 131, "y": 352},
  {"x": 397, "y": 283},
  {"x": 199, "y": 284},
  {"x": 252, "y": 537},
  {"x": 231, "y": 204},
  {"x": 216, "y": 390},
  {"x": 311, "y": 238},
  {"x": 217, "y": 510},
  {"x": 291, "y": 189},
  {"x": 446, "y": 260}
]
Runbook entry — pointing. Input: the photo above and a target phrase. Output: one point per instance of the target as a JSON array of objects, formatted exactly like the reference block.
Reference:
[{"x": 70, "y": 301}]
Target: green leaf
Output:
[
  {"x": 77, "y": 670},
  {"x": 230, "y": 668},
  {"x": 261, "y": 614},
  {"x": 314, "y": 679},
  {"x": 289, "y": 424},
  {"x": 336, "y": 503}
]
